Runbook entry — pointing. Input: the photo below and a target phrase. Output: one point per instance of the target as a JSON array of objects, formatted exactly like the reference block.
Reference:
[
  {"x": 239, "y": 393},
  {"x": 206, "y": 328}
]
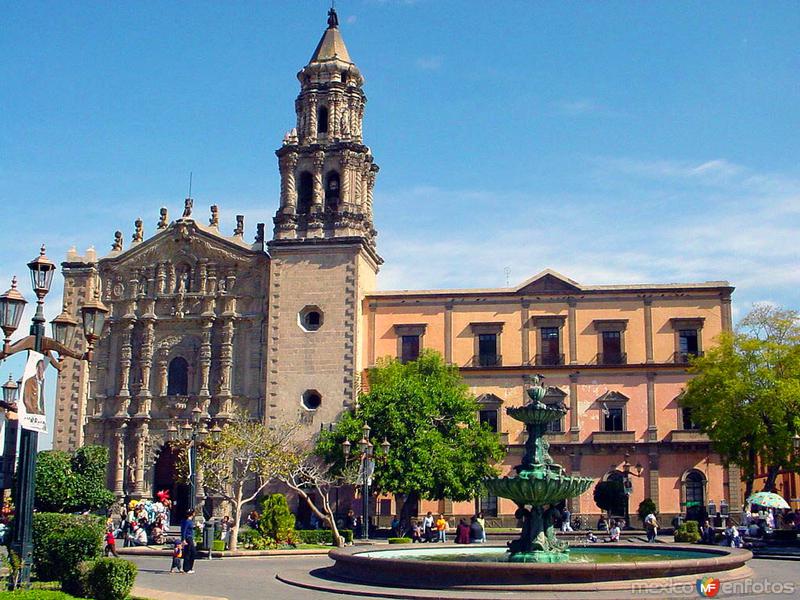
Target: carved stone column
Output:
[
  {"x": 370, "y": 190},
  {"x": 345, "y": 196},
  {"x": 141, "y": 442},
  {"x": 574, "y": 423},
  {"x": 319, "y": 193},
  {"x": 146, "y": 363},
  {"x": 202, "y": 267},
  {"x": 288, "y": 165},
  {"x": 312, "y": 117},
  {"x": 163, "y": 378},
  {"x": 525, "y": 332},
  {"x": 652, "y": 477},
  {"x": 119, "y": 462},
  {"x": 161, "y": 278},
  {"x": 205, "y": 358},
  {"x": 226, "y": 364},
  {"x": 125, "y": 360}
]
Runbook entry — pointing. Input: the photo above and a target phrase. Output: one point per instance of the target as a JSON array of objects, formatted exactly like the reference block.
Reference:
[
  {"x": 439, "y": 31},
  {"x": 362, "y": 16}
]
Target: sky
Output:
[{"x": 615, "y": 142}]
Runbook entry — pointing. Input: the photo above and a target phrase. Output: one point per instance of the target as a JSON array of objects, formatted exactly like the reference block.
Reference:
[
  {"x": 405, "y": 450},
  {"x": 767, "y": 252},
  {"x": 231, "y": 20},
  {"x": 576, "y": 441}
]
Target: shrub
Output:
[
  {"x": 61, "y": 542},
  {"x": 218, "y": 546},
  {"x": 72, "y": 482},
  {"x": 322, "y": 536},
  {"x": 688, "y": 532},
  {"x": 36, "y": 595},
  {"x": 400, "y": 540},
  {"x": 77, "y": 581},
  {"x": 277, "y": 521},
  {"x": 646, "y": 507},
  {"x": 111, "y": 579}
]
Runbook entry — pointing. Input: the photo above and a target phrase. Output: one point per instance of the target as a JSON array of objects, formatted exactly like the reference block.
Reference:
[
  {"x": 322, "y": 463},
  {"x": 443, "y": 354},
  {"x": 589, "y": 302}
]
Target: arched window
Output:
[
  {"x": 305, "y": 192},
  {"x": 178, "y": 377},
  {"x": 322, "y": 120},
  {"x": 332, "y": 190}
]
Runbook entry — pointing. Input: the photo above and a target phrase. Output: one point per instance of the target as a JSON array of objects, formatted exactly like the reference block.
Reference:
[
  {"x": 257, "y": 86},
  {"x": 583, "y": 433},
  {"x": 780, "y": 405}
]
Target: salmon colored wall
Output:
[
  {"x": 664, "y": 339},
  {"x": 588, "y": 336}
]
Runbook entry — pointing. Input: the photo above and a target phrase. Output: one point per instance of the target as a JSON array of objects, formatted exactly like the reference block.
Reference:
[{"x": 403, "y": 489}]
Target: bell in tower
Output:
[{"x": 327, "y": 173}]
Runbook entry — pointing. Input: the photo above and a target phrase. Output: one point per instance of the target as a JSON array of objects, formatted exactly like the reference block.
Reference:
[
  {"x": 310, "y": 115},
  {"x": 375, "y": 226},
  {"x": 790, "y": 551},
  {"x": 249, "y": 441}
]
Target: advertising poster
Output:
[{"x": 31, "y": 402}]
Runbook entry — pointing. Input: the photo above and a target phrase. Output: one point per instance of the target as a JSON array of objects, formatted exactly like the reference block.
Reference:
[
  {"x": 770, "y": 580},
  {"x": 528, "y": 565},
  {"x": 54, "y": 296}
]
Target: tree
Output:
[
  {"x": 310, "y": 473},
  {"x": 243, "y": 460},
  {"x": 439, "y": 449},
  {"x": 646, "y": 507},
  {"x": 74, "y": 482},
  {"x": 608, "y": 495},
  {"x": 745, "y": 393}
]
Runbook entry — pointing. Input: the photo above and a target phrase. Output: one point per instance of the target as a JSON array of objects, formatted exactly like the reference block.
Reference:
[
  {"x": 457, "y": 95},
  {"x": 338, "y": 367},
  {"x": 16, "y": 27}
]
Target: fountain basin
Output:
[
  {"x": 539, "y": 487},
  {"x": 464, "y": 566}
]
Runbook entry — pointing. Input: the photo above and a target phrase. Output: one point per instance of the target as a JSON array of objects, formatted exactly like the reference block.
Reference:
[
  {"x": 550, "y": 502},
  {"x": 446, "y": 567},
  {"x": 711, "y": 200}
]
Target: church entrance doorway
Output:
[{"x": 166, "y": 478}]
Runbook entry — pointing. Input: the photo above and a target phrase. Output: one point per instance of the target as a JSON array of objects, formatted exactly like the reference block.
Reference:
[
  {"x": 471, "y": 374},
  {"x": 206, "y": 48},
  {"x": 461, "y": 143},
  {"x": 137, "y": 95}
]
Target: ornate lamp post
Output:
[
  {"x": 192, "y": 431},
  {"x": 9, "y": 403},
  {"x": 12, "y": 304},
  {"x": 368, "y": 458},
  {"x": 627, "y": 484}
]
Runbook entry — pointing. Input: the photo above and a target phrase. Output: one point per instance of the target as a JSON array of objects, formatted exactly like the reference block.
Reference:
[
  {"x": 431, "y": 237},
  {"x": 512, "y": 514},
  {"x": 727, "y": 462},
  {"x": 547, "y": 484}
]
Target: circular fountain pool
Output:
[{"x": 463, "y": 567}]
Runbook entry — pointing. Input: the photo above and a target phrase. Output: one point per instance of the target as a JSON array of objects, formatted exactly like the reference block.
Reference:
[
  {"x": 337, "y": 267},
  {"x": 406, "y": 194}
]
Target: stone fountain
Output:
[{"x": 540, "y": 483}]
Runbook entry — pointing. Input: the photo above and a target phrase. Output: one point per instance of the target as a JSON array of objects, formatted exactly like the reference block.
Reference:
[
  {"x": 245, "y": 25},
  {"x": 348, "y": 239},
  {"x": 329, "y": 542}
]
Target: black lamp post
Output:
[
  {"x": 368, "y": 459},
  {"x": 628, "y": 484},
  {"x": 12, "y": 304},
  {"x": 9, "y": 404},
  {"x": 192, "y": 431}
]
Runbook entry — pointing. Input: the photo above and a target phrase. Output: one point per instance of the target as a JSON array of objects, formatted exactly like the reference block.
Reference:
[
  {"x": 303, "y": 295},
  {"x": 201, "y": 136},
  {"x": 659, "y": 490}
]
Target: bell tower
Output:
[
  {"x": 323, "y": 259},
  {"x": 327, "y": 173}
]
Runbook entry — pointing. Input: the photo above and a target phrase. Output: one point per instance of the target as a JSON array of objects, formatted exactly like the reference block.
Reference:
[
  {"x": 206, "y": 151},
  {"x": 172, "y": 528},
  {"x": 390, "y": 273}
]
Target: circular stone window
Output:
[
  {"x": 310, "y": 318},
  {"x": 311, "y": 400}
]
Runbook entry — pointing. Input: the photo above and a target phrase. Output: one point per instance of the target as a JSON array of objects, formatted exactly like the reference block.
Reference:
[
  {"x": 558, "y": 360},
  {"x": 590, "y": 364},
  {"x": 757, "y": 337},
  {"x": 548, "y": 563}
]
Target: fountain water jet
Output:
[{"x": 540, "y": 483}]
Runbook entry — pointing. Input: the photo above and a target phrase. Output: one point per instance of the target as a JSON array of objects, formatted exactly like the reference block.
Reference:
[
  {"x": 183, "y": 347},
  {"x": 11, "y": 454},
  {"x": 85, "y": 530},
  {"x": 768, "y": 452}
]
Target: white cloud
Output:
[{"x": 351, "y": 19}]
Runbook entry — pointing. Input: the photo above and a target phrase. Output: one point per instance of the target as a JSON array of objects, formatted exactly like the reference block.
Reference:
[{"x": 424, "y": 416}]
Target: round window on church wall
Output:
[
  {"x": 310, "y": 318},
  {"x": 311, "y": 400}
]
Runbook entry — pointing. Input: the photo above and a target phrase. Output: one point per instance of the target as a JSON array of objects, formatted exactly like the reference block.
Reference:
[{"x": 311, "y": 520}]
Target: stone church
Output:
[{"x": 285, "y": 328}]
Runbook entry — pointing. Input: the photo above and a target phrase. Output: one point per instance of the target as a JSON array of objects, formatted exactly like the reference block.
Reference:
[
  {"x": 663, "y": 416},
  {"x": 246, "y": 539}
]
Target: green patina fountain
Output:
[{"x": 540, "y": 483}]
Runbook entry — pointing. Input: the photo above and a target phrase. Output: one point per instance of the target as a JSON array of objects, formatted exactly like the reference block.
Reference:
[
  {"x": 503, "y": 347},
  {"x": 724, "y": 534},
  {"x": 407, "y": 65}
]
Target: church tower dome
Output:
[{"x": 327, "y": 173}]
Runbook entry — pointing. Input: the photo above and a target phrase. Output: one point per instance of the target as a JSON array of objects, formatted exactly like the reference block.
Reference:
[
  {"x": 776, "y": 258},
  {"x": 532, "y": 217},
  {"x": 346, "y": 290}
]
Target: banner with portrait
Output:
[{"x": 30, "y": 406}]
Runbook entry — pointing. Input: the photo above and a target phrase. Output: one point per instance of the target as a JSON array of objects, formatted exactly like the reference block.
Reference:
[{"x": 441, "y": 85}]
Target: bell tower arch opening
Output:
[{"x": 178, "y": 377}]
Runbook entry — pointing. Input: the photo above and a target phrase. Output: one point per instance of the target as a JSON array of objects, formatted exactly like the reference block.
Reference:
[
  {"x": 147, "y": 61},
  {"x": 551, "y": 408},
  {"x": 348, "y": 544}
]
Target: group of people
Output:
[
  {"x": 143, "y": 522},
  {"x": 432, "y": 530}
]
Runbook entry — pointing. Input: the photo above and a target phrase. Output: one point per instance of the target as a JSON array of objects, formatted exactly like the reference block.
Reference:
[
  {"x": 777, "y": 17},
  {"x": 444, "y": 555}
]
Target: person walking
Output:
[
  {"x": 651, "y": 525},
  {"x": 187, "y": 538},
  {"x": 225, "y": 530},
  {"x": 427, "y": 527},
  {"x": 111, "y": 543},
  {"x": 566, "y": 521},
  {"x": 441, "y": 528}
]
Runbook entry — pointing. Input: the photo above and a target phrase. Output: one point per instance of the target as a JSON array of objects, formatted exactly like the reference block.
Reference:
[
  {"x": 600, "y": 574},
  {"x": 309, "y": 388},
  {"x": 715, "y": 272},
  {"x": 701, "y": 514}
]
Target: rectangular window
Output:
[
  {"x": 488, "y": 505},
  {"x": 612, "y": 347},
  {"x": 409, "y": 348},
  {"x": 490, "y": 418},
  {"x": 686, "y": 414},
  {"x": 550, "y": 351},
  {"x": 687, "y": 340},
  {"x": 612, "y": 419},
  {"x": 555, "y": 426},
  {"x": 487, "y": 350}
]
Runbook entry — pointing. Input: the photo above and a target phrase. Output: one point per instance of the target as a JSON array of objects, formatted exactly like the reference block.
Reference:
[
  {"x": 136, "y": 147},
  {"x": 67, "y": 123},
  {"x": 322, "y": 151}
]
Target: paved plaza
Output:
[{"x": 254, "y": 578}]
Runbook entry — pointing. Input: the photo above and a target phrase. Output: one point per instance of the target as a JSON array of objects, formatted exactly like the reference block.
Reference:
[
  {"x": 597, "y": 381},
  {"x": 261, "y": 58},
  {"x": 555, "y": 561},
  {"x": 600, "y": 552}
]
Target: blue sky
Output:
[{"x": 616, "y": 142}]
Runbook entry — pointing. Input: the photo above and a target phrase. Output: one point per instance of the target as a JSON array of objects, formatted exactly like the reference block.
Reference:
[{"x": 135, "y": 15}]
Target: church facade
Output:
[{"x": 286, "y": 328}]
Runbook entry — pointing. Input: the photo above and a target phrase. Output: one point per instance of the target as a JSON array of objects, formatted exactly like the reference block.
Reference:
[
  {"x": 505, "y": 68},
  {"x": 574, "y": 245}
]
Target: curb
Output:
[
  {"x": 203, "y": 554},
  {"x": 152, "y": 594}
]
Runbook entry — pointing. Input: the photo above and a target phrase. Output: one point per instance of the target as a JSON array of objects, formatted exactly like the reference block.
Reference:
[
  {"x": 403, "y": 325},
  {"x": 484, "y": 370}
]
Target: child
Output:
[
  {"x": 416, "y": 533},
  {"x": 111, "y": 544},
  {"x": 177, "y": 554}
]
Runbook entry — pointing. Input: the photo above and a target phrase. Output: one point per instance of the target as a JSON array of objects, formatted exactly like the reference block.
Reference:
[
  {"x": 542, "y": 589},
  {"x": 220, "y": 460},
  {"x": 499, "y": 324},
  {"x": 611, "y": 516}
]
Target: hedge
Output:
[
  {"x": 111, "y": 579},
  {"x": 323, "y": 536},
  {"x": 218, "y": 546},
  {"x": 399, "y": 540},
  {"x": 36, "y": 595},
  {"x": 61, "y": 542},
  {"x": 688, "y": 532}
]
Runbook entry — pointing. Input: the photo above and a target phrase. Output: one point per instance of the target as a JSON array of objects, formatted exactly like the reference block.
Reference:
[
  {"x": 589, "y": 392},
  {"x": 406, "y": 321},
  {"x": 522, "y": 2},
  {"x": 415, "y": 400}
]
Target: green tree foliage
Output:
[
  {"x": 72, "y": 482},
  {"x": 688, "y": 532},
  {"x": 745, "y": 393},
  {"x": 607, "y": 494},
  {"x": 646, "y": 507},
  {"x": 277, "y": 521},
  {"x": 438, "y": 447}
]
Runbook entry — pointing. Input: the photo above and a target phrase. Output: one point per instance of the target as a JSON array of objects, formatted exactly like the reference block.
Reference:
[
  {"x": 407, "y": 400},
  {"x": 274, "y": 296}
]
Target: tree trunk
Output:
[
  {"x": 338, "y": 540},
  {"x": 748, "y": 487},
  {"x": 237, "y": 519},
  {"x": 412, "y": 499},
  {"x": 772, "y": 475}
]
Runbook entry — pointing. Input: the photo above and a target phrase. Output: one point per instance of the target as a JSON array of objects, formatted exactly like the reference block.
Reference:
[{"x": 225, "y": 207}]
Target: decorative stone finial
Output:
[
  {"x": 214, "y": 220},
  {"x": 259, "y": 233},
  {"x": 163, "y": 219},
  {"x": 187, "y": 208},
  {"x": 117, "y": 245},
  {"x": 239, "y": 231},
  {"x": 138, "y": 232}
]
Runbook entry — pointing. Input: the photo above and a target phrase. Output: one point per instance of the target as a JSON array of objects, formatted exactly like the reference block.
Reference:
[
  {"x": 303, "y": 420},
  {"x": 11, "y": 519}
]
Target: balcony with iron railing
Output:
[
  {"x": 486, "y": 360},
  {"x": 684, "y": 358},
  {"x": 611, "y": 358},
  {"x": 547, "y": 360}
]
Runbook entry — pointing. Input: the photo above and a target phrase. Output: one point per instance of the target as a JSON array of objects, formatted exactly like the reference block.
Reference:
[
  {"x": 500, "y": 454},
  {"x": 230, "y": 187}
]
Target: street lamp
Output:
[
  {"x": 627, "y": 484},
  {"x": 12, "y": 304},
  {"x": 9, "y": 403},
  {"x": 192, "y": 431},
  {"x": 368, "y": 458}
]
